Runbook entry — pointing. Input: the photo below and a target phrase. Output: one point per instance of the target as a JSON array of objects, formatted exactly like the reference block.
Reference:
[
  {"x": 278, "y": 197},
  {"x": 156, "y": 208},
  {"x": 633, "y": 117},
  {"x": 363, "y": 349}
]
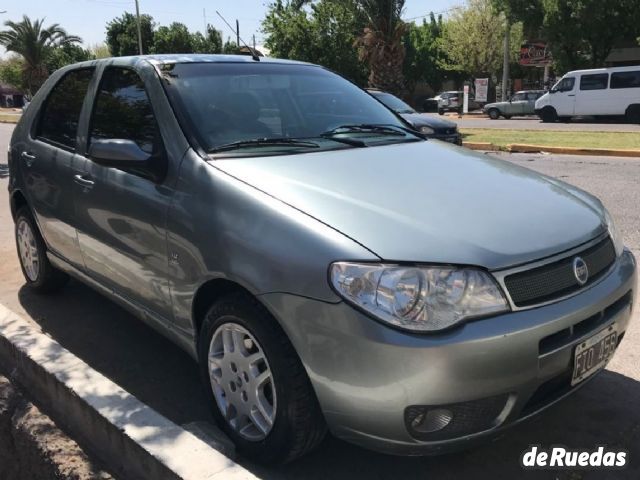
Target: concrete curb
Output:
[
  {"x": 525, "y": 148},
  {"x": 8, "y": 118},
  {"x": 132, "y": 439}
]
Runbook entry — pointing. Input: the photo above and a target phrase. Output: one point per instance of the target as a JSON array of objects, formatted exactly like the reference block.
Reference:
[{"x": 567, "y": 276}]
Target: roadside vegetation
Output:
[{"x": 552, "y": 138}]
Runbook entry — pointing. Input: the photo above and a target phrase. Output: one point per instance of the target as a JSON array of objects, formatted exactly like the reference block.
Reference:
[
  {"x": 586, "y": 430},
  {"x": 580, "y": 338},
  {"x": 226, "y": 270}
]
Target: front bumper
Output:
[
  {"x": 366, "y": 374},
  {"x": 456, "y": 138}
]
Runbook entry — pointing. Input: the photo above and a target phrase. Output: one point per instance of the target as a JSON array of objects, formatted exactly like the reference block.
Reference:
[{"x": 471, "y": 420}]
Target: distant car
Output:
[
  {"x": 429, "y": 125},
  {"x": 521, "y": 103},
  {"x": 452, "y": 101}
]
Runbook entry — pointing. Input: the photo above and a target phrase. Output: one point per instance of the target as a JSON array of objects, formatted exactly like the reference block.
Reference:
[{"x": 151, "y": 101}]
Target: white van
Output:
[{"x": 598, "y": 92}]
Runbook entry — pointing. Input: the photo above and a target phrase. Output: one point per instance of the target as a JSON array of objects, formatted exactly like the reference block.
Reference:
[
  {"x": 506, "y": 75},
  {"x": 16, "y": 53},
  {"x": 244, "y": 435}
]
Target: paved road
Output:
[
  {"x": 158, "y": 373},
  {"x": 534, "y": 123}
]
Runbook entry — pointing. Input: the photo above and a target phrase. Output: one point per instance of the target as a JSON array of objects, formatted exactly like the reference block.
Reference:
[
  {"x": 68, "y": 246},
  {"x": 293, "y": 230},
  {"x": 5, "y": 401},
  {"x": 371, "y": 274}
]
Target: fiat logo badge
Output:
[{"x": 580, "y": 270}]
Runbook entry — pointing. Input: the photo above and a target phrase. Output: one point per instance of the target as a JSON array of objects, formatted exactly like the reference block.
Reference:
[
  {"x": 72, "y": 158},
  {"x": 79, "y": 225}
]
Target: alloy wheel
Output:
[
  {"x": 242, "y": 381},
  {"x": 28, "y": 250}
]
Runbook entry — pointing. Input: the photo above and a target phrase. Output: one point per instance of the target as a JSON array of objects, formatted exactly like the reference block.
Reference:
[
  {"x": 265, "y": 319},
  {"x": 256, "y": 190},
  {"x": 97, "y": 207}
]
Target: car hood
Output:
[
  {"x": 495, "y": 104},
  {"x": 425, "y": 202},
  {"x": 421, "y": 120}
]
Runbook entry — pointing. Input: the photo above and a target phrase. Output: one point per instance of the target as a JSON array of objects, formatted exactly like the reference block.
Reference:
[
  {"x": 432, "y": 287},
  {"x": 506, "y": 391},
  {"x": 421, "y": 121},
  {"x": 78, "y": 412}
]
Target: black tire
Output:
[
  {"x": 494, "y": 114},
  {"x": 507, "y": 117},
  {"x": 441, "y": 111},
  {"x": 633, "y": 114},
  {"x": 549, "y": 115},
  {"x": 45, "y": 278},
  {"x": 299, "y": 425}
]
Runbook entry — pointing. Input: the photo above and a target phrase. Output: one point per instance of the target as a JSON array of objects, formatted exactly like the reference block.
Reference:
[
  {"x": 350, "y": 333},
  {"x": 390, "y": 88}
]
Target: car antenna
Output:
[{"x": 254, "y": 55}]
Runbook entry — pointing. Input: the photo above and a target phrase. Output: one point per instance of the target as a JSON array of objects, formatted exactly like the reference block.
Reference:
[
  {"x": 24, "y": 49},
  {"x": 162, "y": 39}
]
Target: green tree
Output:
[
  {"x": 100, "y": 50},
  {"x": 11, "y": 71},
  {"x": 65, "y": 55},
  {"x": 122, "y": 34},
  {"x": 173, "y": 39},
  {"x": 424, "y": 53},
  {"x": 212, "y": 43},
  {"x": 34, "y": 43},
  {"x": 380, "y": 43},
  {"x": 529, "y": 12},
  {"x": 583, "y": 32},
  {"x": 324, "y": 33},
  {"x": 230, "y": 47},
  {"x": 473, "y": 39}
]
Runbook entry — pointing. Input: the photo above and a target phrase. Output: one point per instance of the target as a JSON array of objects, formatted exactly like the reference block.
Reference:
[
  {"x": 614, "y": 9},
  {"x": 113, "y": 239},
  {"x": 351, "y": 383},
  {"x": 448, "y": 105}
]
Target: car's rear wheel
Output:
[
  {"x": 32, "y": 253},
  {"x": 260, "y": 393},
  {"x": 494, "y": 114},
  {"x": 441, "y": 111},
  {"x": 549, "y": 115},
  {"x": 633, "y": 114}
]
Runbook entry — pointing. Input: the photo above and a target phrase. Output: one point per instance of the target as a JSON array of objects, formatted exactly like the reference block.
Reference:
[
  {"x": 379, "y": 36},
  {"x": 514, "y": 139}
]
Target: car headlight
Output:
[
  {"x": 423, "y": 299},
  {"x": 427, "y": 130},
  {"x": 614, "y": 233}
]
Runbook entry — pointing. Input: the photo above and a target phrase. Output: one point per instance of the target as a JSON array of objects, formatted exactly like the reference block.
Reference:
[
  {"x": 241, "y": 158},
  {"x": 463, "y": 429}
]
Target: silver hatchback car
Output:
[{"x": 327, "y": 267}]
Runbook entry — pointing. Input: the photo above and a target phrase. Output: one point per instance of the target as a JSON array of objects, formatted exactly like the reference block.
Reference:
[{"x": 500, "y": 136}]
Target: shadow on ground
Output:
[{"x": 163, "y": 376}]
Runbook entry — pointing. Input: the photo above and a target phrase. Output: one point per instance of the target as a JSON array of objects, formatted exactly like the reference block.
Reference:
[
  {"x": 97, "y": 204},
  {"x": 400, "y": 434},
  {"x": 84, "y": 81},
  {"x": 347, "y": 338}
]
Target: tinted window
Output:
[
  {"x": 565, "y": 85},
  {"x": 222, "y": 103},
  {"x": 393, "y": 102},
  {"x": 518, "y": 97},
  {"x": 533, "y": 95},
  {"x": 597, "y": 81},
  {"x": 61, "y": 111},
  {"x": 625, "y": 79},
  {"x": 122, "y": 110}
]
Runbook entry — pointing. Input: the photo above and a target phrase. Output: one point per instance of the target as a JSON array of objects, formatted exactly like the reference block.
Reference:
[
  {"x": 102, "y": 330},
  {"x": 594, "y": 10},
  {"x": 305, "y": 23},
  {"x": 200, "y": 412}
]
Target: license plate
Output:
[{"x": 593, "y": 354}]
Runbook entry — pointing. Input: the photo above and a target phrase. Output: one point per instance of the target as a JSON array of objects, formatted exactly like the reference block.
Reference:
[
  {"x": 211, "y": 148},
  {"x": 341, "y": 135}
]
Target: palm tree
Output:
[
  {"x": 34, "y": 42},
  {"x": 380, "y": 44}
]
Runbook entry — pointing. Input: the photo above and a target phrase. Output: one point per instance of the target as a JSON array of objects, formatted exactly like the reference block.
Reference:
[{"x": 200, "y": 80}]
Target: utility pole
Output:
[
  {"x": 139, "y": 29},
  {"x": 237, "y": 33},
  {"x": 254, "y": 42},
  {"x": 204, "y": 19},
  {"x": 505, "y": 61}
]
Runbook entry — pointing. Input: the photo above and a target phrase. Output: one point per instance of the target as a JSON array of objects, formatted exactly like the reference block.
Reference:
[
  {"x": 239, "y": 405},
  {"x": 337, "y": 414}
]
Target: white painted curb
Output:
[{"x": 131, "y": 438}]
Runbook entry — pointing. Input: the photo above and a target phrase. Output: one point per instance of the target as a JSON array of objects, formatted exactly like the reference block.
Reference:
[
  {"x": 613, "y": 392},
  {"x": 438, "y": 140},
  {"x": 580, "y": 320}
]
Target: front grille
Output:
[{"x": 557, "y": 279}]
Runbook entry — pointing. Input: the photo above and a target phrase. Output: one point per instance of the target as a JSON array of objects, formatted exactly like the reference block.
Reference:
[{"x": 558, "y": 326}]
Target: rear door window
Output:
[
  {"x": 122, "y": 110},
  {"x": 597, "y": 81},
  {"x": 61, "y": 111},
  {"x": 625, "y": 79}
]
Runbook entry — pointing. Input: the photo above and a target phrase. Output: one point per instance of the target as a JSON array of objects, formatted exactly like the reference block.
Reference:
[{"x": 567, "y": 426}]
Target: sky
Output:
[{"x": 87, "y": 18}]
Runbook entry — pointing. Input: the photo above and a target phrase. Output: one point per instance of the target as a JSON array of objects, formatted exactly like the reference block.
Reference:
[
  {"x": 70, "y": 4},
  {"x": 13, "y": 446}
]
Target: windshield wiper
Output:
[
  {"x": 264, "y": 142},
  {"x": 366, "y": 128}
]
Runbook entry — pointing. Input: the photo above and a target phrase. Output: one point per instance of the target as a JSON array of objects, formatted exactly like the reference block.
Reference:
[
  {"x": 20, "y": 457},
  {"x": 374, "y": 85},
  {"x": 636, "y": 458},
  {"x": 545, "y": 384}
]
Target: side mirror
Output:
[
  {"x": 127, "y": 155},
  {"x": 116, "y": 152}
]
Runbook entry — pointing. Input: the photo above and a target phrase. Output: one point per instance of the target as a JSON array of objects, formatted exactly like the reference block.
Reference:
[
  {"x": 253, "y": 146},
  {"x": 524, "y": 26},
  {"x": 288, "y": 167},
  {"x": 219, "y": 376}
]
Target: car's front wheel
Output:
[
  {"x": 494, "y": 114},
  {"x": 260, "y": 393},
  {"x": 32, "y": 253}
]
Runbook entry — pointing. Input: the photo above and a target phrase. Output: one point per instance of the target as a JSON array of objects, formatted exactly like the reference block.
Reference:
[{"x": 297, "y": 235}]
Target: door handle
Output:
[
  {"x": 571, "y": 95},
  {"x": 28, "y": 158},
  {"x": 85, "y": 182}
]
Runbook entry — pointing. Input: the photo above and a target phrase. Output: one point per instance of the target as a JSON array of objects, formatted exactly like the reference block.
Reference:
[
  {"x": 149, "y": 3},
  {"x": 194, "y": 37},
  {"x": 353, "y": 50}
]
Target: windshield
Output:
[
  {"x": 239, "y": 105},
  {"x": 393, "y": 102}
]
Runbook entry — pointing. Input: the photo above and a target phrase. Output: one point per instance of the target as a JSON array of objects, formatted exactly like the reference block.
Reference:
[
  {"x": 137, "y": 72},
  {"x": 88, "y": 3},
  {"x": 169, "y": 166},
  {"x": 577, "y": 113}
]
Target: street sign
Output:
[{"x": 482, "y": 89}]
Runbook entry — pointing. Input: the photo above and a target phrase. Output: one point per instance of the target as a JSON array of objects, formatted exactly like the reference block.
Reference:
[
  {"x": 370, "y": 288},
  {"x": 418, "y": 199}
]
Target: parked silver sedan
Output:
[
  {"x": 327, "y": 268},
  {"x": 521, "y": 103}
]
